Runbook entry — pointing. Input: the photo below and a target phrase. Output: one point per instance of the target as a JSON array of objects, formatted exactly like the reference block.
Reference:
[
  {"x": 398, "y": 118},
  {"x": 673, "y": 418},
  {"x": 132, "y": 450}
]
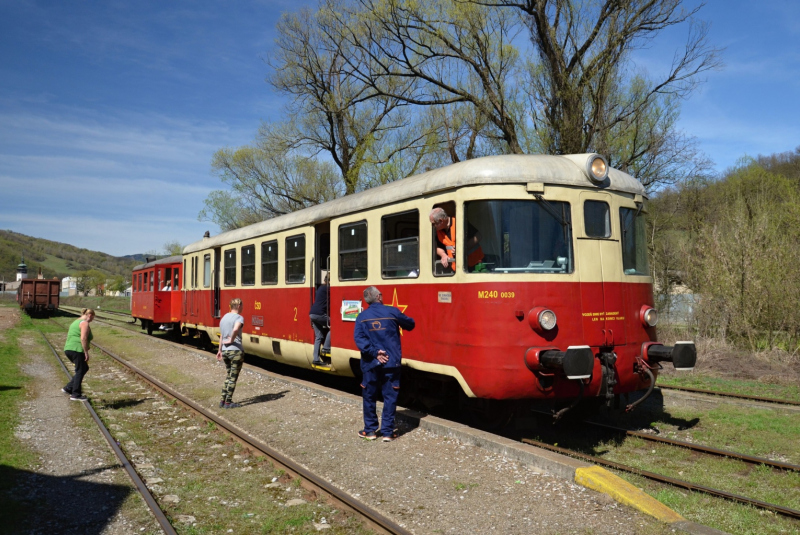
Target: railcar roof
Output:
[
  {"x": 168, "y": 260},
  {"x": 564, "y": 170}
]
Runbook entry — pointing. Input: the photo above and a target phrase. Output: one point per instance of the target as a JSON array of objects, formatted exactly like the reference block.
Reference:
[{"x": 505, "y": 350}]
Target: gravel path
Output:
[
  {"x": 77, "y": 484},
  {"x": 428, "y": 483}
]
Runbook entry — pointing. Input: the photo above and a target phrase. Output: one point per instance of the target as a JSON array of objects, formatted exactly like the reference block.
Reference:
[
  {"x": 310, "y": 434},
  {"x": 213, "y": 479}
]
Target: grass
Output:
[
  {"x": 14, "y": 454},
  {"x": 112, "y": 304},
  {"x": 738, "y": 386},
  {"x": 770, "y": 433}
]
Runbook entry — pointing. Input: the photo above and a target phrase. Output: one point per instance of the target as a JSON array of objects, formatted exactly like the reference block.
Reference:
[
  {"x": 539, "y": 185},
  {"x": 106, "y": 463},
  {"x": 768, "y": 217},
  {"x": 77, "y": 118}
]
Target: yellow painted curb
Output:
[{"x": 601, "y": 480}]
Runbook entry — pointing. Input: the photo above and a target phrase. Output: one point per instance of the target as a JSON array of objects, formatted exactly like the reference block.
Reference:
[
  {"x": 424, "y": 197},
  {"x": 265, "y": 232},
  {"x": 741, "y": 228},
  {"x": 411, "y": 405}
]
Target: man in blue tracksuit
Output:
[{"x": 377, "y": 335}]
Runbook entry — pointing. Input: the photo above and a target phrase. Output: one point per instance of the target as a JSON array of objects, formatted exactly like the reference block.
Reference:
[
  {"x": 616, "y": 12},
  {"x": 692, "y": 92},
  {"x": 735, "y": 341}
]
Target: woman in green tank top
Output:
[{"x": 77, "y": 350}]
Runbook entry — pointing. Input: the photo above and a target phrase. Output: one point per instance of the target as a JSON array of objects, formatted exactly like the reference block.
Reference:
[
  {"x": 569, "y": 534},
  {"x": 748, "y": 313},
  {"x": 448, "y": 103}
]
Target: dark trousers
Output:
[
  {"x": 81, "y": 367},
  {"x": 387, "y": 380}
]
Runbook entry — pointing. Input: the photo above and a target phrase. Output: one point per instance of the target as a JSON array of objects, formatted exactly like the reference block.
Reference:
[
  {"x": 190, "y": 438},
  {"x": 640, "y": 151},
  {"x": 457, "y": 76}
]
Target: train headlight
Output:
[
  {"x": 597, "y": 168},
  {"x": 547, "y": 320},
  {"x": 542, "y": 319},
  {"x": 649, "y": 316}
]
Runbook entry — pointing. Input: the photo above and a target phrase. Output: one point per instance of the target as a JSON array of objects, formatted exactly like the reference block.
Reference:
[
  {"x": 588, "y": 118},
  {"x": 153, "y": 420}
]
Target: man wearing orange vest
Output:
[{"x": 446, "y": 241}]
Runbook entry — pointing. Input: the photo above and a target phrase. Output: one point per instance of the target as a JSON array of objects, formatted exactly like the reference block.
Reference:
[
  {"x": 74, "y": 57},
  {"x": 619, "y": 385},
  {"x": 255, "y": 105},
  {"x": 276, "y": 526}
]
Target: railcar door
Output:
[
  {"x": 215, "y": 278},
  {"x": 599, "y": 264}
]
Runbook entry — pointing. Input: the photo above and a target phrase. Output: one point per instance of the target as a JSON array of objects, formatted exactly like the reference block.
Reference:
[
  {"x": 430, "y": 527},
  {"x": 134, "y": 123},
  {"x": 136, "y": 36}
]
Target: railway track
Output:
[
  {"x": 148, "y": 498},
  {"x": 730, "y": 395},
  {"x": 372, "y": 518},
  {"x": 785, "y": 511}
]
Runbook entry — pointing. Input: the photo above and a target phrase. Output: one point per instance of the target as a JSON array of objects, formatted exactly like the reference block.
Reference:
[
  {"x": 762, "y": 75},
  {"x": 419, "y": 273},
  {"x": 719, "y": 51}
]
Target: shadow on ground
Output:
[{"x": 42, "y": 504}]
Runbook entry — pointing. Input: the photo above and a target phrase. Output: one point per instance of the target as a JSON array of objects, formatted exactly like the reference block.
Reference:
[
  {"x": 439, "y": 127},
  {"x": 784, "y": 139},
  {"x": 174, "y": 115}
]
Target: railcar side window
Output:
[
  {"x": 248, "y": 265},
  {"x": 184, "y": 273},
  {"x": 353, "y": 251},
  {"x": 152, "y": 279},
  {"x": 269, "y": 262},
  {"x": 207, "y": 271},
  {"x": 518, "y": 237},
  {"x": 597, "y": 219},
  {"x": 176, "y": 278},
  {"x": 230, "y": 267},
  {"x": 296, "y": 260},
  {"x": 448, "y": 248},
  {"x": 400, "y": 245},
  {"x": 634, "y": 244}
]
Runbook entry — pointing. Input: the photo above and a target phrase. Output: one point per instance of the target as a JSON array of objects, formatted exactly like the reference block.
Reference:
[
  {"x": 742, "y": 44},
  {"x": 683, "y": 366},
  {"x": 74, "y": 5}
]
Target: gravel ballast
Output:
[{"x": 426, "y": 482}]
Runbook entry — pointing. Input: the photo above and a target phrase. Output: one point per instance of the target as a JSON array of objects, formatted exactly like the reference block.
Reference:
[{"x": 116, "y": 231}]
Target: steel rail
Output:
[
  {"x": 730, "y": 395},
  {"x": 698, "y": 447},
  {"x": 694, "y": 447},
  {"x": 76, "y": 310},
  {"x": 375, "y": 518},
  {"x": 786, "y": 511},
  {"x": 162, "y": 519}
]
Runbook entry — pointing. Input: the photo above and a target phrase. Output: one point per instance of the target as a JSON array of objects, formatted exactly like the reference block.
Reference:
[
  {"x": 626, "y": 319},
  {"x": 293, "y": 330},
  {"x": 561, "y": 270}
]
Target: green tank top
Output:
[{"x": 74, "y": 337}]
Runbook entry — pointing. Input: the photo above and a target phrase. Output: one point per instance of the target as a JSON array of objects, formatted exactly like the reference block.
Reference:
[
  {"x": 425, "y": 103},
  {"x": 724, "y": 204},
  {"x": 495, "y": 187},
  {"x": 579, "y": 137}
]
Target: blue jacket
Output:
[{"x": 378, "y": 327}]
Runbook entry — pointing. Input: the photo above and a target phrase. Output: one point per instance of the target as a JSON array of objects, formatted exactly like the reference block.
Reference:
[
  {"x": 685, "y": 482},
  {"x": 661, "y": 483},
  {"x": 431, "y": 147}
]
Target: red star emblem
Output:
[{"x": 396, "y": 304}]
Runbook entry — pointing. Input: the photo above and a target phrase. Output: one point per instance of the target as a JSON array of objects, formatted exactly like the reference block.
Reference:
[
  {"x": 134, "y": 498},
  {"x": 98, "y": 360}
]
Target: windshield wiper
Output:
[{"x": 550, "y": 209}]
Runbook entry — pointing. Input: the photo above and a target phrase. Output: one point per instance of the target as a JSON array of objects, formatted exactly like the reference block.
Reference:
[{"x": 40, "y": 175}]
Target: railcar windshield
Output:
[
  {"x": 634, "y": 244},
  {"x": 521, "y": 236}
]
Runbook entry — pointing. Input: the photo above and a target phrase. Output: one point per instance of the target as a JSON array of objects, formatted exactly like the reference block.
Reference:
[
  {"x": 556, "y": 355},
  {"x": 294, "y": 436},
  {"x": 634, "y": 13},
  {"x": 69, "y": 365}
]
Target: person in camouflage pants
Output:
[{"x": 231, "y": 351}]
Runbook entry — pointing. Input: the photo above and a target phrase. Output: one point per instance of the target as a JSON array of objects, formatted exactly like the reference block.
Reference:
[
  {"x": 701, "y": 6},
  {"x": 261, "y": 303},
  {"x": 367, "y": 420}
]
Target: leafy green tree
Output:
[
  {"x": 118, "y": 283},
  {"x": 173, "y": 248}
]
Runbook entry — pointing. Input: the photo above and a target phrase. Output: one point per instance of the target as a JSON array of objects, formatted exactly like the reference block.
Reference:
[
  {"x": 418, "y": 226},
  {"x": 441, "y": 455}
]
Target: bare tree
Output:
[
  {"x": 337, "y": 114},
  {"x": 586, "y": 93},
  {"x": 441, "y": 53},
  {"x": 267, "y": 179}
]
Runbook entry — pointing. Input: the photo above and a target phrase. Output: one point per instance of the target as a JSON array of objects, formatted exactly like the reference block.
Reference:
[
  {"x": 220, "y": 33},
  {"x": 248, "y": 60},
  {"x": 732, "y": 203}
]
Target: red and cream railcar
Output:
[
  {"x": 156, "y": 296},
  {"x": 560, "y": 305}
]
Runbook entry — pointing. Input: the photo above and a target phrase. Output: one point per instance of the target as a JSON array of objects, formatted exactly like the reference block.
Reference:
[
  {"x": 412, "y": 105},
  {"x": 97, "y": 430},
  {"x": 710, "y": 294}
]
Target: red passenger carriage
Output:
[
  {"x": 156, "y": 296},
  {"x": 561, "y": 305}
]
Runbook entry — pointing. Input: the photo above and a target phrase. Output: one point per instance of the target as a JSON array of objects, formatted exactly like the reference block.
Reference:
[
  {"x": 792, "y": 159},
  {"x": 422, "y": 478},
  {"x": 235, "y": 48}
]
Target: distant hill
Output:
[{"x": 57, "y": 259}]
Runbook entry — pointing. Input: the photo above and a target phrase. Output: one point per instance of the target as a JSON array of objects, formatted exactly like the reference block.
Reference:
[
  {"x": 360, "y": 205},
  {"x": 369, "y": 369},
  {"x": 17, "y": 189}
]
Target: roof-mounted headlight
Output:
[{"x": 597, "y": 168}]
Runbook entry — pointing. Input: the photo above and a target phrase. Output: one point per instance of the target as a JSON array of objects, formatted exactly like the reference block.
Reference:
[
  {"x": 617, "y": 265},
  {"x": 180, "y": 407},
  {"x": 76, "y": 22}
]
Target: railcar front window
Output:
[
  {"x": 230, "y": 267},
  {"x": 521, "y": 236},
  {"x": 597, "y": 219},
  {"x": 634, "y": 244},
  {"x": 249, "y": 265},
  {"x": 353, "y": 251},
  {"x": 296, "y": 260}
]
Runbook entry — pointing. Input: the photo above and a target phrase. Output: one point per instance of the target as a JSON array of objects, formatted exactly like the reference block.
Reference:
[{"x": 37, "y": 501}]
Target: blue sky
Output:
[{"x": 110, "y": 111}]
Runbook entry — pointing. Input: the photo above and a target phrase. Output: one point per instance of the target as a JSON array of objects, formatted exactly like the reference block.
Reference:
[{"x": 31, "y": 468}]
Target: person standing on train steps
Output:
[
  {"x": 321, "y": 323},
  {"x": 79, "y": 338},
  {"x": 231, "y": 351},
  {"x": 446, "y": 242},
  {"x": 377, "y": 336}
]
